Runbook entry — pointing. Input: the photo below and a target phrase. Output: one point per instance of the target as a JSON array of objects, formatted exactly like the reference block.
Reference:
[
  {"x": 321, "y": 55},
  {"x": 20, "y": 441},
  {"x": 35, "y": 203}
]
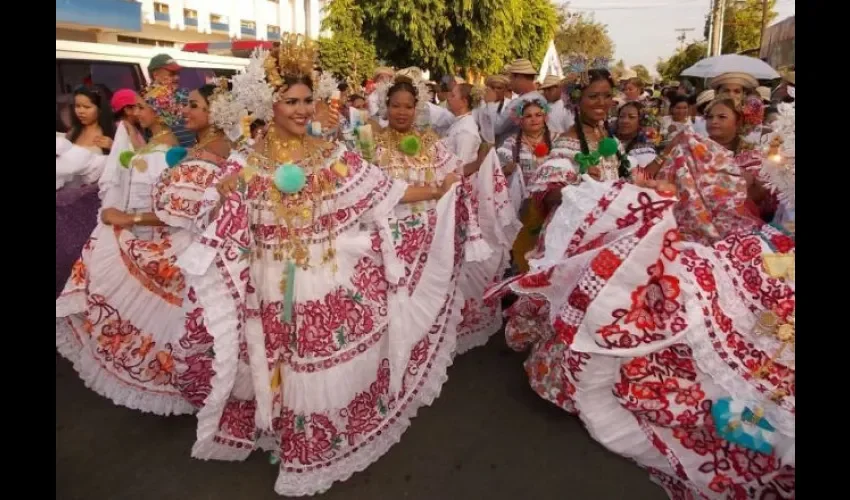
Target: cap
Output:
[
  {"x": 121, "y": 99},
  {"x": 163, "y": 61}
]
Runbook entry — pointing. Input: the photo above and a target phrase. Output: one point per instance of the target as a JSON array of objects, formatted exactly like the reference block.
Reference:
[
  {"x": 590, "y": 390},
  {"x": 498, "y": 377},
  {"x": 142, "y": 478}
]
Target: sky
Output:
[{"x": 643, "y": 30}]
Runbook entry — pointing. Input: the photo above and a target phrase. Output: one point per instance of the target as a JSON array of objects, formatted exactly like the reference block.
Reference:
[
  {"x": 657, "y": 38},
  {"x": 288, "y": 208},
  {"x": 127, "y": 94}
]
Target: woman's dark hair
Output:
[
  {"x": 596, "y": 75},
  {"x": 402, "y": 85},
  {"x": 692, "y": 100},
  {"x": 639, "y": 138},
  {"x": 770, "y": 109},
  {"x": 678, "y": 99},
  {"x": 342, "y": 87},
  {"x": 290, "y": 80},
  {"x": 207, "y": 91},
  {"x": 547, "y": 136},
  {"x": 104, "y": 114}
]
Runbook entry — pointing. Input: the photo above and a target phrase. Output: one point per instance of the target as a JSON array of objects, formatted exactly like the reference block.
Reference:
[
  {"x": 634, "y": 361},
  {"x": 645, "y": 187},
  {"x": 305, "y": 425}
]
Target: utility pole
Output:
[
  {"x": 714, "y": 42},
  {"x": 683, "y": 34},
  {"x": 763, "y": 23},
  {"x": 709, "y": 40}
]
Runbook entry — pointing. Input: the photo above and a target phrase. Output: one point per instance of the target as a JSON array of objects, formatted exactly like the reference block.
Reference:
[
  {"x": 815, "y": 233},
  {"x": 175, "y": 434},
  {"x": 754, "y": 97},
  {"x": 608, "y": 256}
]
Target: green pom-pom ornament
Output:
[
  {"x": 410, "y": 145},
  {"x": 290, "y": 178},
  {"x": 608, "y": 147},
  {"x": 125, "y": 157}
]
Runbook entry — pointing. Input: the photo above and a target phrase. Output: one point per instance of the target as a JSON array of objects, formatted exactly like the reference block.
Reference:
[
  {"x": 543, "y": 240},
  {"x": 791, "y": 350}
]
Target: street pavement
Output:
[{"x": 487, "y": 437}]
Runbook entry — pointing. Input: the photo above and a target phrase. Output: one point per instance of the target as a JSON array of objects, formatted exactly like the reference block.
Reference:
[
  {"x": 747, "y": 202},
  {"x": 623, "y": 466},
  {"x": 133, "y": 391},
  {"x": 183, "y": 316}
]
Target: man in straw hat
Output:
[
  {"x": 523, "y": 74},
  {"x": 560, "y": 118},
  {"x": 382, "y": 74},
  {"x": 703, "y": 99},
  {"x": 735, "y": 85}
]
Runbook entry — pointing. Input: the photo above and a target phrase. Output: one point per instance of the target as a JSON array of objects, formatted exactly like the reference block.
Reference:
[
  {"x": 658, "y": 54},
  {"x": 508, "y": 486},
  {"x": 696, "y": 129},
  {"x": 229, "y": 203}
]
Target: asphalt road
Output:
[{"x": 488, "y": 436}]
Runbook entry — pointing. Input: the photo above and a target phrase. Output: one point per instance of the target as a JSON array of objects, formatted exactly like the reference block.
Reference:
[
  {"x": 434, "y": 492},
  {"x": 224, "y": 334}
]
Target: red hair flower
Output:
[{"x": 541, "y": 150}]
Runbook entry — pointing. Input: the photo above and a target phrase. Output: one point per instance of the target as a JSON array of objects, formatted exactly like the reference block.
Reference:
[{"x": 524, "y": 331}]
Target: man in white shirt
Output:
[
  {"x": 382, "y": 74},
  {"x": 522, "y": 74},
  {"x": 560, "y": 118}
]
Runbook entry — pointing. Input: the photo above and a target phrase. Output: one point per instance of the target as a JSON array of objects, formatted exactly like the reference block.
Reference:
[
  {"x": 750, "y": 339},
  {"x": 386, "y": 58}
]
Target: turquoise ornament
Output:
[
  {"x": 738, "y": 424},
  {"x": 608, "y": 147},
  {"x": 125, "y": 157},
  {"x": 175, "y": 155},
  {"x": 289, "y": 178}
]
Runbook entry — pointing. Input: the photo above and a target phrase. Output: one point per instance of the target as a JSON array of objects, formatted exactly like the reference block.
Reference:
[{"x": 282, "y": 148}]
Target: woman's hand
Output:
[
  {"x": 227, "y": 185},
  {"x": 447, "y": 184},
  {"x": 103, "y": 142},
  {"x": 115, "y": 217}
]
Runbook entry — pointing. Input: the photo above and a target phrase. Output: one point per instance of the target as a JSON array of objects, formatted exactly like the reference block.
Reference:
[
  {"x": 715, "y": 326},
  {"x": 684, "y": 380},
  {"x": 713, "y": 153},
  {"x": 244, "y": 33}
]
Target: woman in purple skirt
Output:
[{"x": 80, "y": 159}]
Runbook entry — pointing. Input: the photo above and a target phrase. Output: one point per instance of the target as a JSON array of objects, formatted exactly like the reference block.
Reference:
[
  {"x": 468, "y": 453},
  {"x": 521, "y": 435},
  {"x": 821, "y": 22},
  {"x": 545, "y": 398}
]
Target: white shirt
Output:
[
  {"x": 503, "y": 126},
  {"x": 463, "y": 138},
  {"x": 560, "y": 119},
  {"x": 373, "y": 104},
  {"x": 441, "y": 119}
]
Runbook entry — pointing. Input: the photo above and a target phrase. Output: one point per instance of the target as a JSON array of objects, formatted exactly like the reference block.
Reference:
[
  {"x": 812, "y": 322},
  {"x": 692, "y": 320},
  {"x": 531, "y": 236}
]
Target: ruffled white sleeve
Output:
[{"x": 74, "y": 162}]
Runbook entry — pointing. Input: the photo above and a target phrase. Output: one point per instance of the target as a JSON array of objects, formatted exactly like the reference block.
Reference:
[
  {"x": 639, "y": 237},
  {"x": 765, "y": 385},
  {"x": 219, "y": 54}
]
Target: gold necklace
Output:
[
  {"x": 299, "y": 212},
  {"x": 139, "y": 163}
]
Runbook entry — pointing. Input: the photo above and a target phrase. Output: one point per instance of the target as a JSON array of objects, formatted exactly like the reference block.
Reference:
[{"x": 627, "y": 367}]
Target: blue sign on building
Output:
[{"x": 122, "y": 15}]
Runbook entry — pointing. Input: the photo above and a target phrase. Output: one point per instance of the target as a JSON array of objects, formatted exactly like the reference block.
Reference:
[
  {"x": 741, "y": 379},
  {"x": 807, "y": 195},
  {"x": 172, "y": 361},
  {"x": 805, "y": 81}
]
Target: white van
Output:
[{"x": 125, "y": 66}]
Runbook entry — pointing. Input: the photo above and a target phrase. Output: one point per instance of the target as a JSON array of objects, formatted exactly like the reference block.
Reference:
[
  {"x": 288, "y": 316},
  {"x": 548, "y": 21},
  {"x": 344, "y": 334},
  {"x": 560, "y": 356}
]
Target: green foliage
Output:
[
  {"x": 579, "y": 34},
  {"x": 448, "y": 35},
  {"x": 742, "y": 24},
  {"x": 681, "y": 60},
  {"x": 642, "y": 73},
  {"x": 348, "y": 56}
]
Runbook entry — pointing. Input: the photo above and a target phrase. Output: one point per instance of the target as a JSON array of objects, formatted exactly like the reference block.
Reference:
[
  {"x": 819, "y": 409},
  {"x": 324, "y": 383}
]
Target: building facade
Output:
[{"x": 171, "y": 23}]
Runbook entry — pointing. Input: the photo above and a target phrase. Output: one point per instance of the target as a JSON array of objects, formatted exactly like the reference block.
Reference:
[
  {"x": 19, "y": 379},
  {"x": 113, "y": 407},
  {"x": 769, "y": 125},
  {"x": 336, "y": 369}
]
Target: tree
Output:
[
  {"x": 580, "y": 34},
  {"x": 448, "y": 36},
  {"x": 347, "y": 56},
  {"x": 683, "y": 58},
  {"x": 742, "y": 24},
  {"x": 642, "y": 73}
]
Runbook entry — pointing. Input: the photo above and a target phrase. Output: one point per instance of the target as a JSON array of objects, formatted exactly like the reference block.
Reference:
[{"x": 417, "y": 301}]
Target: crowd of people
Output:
[{"x": 297, "y": 261}]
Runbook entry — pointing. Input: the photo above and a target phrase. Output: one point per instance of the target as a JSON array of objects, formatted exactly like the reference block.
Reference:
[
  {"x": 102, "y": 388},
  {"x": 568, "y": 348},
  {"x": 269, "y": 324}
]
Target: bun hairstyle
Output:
[
  {"x": 402, "y": 84},
  {"x": 471, "y": 94}
]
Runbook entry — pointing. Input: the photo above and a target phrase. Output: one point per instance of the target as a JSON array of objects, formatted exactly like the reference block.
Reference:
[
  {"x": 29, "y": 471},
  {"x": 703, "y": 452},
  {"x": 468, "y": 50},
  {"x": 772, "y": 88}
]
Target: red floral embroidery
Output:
[{"x": 605, "y": 264}]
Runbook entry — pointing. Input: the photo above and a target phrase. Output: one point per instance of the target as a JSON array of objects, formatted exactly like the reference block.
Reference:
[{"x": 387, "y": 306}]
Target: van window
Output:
[
  {"x": 113, "y": 75},
  {"x": 192, "y": 78}
]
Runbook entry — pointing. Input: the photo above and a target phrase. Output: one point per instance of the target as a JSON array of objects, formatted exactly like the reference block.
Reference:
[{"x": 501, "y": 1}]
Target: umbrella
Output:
[{"x": 731, "y": 63}]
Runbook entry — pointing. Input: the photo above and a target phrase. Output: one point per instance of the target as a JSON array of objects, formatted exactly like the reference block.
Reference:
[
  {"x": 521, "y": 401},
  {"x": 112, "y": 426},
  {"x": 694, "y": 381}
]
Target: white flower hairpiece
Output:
[{"x": 778, "y": 168}]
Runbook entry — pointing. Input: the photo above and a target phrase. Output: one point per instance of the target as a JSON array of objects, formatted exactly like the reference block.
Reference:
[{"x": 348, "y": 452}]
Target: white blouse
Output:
[
  {"x": 463, "y": 139},
  {"x": 77, "y": 165}
]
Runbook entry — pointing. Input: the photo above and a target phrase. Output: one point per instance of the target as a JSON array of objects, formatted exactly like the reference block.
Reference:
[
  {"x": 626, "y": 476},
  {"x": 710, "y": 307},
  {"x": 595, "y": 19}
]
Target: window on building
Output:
[
  {"x": 249, "y": 25},
  {"x": 217, "y": 19},
  {"x": 160, "y": 8},
  {"x": 190, "y": 14},
  {"x": 271, "y": 28},
  {"x": 144, "y": 41}
]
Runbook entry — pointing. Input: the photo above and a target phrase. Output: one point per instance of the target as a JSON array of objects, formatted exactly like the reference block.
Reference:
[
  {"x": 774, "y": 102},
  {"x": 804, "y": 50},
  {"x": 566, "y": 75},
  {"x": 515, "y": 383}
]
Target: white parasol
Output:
[{"x": 731, "y": 63}]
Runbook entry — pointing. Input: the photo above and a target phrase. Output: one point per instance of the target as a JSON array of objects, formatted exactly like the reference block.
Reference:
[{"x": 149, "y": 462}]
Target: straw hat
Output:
[
  {"x": 550, "y": 81},
  {"x": 628, "y": 74},
  {"x": 743, "y": 79},
  {"x": 764, "y": 93},
  {"x": 705, "y": 96},
  {"x": 521, "y": 67},
  {"x": 790, "y": 77},
  {"x": 383, "y": 70},
  {"x": 496, "y": 80}
]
